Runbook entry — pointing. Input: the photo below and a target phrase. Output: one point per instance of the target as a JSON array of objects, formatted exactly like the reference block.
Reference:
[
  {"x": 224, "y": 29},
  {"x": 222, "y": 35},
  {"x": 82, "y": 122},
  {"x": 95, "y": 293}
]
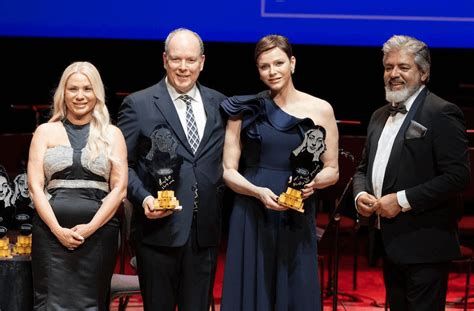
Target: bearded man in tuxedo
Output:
[{"x": 414, "y": 166}]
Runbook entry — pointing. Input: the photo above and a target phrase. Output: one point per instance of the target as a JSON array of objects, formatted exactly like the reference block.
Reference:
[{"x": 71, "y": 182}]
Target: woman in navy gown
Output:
[
  {"x": 77, "y": 175},
  {"x": 271, "y": 261}
]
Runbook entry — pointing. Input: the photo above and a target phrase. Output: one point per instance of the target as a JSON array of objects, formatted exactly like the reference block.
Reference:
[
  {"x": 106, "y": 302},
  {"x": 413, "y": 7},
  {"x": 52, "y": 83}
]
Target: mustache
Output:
[{"x": 396, "y": 80}]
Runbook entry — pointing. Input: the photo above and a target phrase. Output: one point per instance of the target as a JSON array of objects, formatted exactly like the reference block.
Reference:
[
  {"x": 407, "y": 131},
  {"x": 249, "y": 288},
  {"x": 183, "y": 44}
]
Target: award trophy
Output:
[
  {"x": 22, "y": 202},
  {"x": 7, "y": 209},
  {"x": 164, "y": 165},
  {"x": 6, "y": 213},
  {"x": 306, "y": 164}
]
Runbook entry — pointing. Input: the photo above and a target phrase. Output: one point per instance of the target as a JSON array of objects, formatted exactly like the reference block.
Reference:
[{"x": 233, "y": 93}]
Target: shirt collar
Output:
[{"x": 174, "y": 94}]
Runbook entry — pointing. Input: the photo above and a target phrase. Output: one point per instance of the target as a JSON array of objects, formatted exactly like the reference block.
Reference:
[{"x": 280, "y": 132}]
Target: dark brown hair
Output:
[{"x": 273, "y": 41}]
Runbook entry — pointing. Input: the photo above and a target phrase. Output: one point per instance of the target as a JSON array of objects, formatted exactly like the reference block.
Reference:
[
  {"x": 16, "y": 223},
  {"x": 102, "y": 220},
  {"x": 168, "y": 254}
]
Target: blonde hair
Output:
[{"x": 99, "y": 139}]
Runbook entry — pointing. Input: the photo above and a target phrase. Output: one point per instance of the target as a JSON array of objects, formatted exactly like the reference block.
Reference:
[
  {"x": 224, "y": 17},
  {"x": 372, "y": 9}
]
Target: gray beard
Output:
[{"x": 400, "y": 95}]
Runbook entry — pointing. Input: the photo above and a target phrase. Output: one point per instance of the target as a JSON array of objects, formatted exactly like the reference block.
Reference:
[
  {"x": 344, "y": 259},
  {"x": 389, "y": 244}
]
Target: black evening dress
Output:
[{"x": 74, "y": 279}]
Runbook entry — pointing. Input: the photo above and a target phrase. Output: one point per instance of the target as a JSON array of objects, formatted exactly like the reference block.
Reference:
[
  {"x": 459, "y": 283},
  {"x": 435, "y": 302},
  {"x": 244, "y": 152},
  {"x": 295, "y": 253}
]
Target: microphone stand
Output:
[{"x": 334, "y": 220}]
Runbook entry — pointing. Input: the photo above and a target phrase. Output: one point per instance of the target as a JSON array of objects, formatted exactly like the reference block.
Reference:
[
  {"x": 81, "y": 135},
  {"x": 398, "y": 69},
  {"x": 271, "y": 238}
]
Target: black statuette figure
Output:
[{"x": 306, "y": 164}]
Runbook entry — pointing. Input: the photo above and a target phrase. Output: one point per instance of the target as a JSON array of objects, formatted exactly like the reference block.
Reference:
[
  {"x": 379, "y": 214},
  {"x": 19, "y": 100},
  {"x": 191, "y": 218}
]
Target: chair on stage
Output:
[
  {"x": 467, "y": 256},
  {"x": 123, "y": 286},
  {"x": 467, "y": 253},
  {"x": 466, "y": 233},
  {"x": 466, "y": 224}
]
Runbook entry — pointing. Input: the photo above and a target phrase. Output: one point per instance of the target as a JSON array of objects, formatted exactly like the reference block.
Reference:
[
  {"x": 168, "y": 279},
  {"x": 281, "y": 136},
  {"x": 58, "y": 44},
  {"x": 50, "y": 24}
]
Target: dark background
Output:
[{"x": 350, "y": 78}]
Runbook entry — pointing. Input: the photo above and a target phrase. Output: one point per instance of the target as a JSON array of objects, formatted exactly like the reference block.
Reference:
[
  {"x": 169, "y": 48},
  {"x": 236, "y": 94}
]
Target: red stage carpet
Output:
[{"x": 370, "y": 287}]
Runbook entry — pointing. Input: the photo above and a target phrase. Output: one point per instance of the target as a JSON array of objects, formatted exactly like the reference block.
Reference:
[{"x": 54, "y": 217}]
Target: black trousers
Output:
[
  {"x": 416, "y": 287},
  {"x": 180, "y": 277}
]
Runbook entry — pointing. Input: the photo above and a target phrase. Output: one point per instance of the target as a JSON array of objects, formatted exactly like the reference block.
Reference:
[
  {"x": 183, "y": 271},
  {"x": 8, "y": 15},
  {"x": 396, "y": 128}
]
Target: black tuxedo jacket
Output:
[
  {"x": 430, "y": 161},
  {"x": 140, "y": 114}
]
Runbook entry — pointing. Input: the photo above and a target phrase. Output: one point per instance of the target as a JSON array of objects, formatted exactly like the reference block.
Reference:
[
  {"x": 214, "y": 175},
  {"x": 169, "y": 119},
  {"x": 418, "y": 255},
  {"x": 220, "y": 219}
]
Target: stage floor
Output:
[{"x": 370, "y": 289}]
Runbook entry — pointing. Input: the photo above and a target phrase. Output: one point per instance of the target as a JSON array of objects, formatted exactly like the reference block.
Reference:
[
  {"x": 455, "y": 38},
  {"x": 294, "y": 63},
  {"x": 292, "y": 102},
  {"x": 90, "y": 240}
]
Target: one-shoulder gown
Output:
[{"x": 271, "y": 259}]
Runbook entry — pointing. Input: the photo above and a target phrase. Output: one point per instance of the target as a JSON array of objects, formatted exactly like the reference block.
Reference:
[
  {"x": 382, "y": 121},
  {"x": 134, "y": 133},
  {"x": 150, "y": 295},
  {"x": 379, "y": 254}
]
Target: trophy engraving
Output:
[
  {"x": 164, "y": 165},
  {"x": 306, "y": 164}
]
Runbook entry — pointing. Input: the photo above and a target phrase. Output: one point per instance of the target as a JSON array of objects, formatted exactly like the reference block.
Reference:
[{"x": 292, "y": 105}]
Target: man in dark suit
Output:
[
  {"x": 415, "y": 164},
  {"x": 176, "y": 250}
]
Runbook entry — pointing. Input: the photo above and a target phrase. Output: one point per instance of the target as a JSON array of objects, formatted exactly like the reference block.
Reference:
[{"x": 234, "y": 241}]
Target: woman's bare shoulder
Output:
[
  {"x": 316, "y": 104},
  {"x": 48, "y": 128},
  {"x": 115, "y": 134},
  {"x": 114, "y": 130}
]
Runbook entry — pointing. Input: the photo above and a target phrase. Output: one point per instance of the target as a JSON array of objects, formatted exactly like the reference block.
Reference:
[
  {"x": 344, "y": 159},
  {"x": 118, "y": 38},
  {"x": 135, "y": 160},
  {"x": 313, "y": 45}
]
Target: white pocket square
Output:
[{"x": 415, "y": 130}]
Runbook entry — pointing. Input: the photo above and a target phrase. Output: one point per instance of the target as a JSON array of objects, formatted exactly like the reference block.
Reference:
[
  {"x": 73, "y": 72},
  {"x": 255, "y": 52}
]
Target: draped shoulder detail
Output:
[
  {"x": 261, "y": 108},
  {"x": 281, "y": 120},
  {"x": 249, "y": 107}
]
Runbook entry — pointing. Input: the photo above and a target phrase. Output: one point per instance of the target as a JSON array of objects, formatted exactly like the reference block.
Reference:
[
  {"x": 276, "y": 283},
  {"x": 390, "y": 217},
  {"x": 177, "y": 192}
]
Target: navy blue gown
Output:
[{"x": 271, "y": 260}]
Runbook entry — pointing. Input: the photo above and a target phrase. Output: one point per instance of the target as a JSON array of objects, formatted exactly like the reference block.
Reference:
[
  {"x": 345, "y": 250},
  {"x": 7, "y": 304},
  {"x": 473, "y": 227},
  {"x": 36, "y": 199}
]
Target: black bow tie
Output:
[{"x": 395, "y": 109}]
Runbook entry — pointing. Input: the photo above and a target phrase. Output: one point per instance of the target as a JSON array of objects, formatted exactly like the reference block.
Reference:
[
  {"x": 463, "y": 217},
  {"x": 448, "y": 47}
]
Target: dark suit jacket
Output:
[
  {"x": 140, "y": 114},
  {"x": 432, "y": 166}
]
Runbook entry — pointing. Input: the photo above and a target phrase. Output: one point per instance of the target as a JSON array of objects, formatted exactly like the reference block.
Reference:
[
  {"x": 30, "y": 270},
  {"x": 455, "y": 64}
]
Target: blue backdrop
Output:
[{"x": 439, "y": 23}]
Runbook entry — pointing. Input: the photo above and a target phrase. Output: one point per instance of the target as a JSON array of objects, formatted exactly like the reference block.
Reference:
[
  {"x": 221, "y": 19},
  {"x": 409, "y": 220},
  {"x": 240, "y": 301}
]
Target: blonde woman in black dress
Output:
[{"x": 77, "y": 175}]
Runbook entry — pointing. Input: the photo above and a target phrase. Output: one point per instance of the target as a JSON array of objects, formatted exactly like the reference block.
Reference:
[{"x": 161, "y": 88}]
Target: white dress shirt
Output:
[
  {"x": 196, "y": 104},
  {"x": 384, "y": 149}
]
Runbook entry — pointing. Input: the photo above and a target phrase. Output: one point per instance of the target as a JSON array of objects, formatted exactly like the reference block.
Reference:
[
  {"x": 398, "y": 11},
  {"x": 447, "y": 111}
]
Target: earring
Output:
[{"x": 292, "y": 70}]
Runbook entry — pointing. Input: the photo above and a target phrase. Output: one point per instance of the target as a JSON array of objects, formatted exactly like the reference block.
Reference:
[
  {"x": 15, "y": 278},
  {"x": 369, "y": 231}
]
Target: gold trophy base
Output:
[
  {"x": 166, "y": 201},
  {"x": 23, "y": 245},
  {"x": 293, "y": 199},
  {"x": 5, "y": 251}
]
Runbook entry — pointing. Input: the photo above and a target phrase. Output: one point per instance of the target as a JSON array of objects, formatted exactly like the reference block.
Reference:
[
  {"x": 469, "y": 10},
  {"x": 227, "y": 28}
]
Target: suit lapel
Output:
[
  {"x": 165, "y": 105},
  {"x": 391, "y": 171}
]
